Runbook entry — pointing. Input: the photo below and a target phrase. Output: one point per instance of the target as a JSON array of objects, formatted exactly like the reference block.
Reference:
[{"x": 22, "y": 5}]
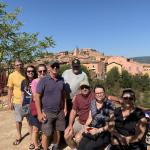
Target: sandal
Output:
[
  {"x": 31, "y": 146},
  {"x": 17, "y": 141}
]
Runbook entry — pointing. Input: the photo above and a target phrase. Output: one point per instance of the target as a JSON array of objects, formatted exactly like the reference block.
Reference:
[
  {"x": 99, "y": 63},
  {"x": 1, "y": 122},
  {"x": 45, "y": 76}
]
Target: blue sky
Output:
[{"x": 114, "y": 27}]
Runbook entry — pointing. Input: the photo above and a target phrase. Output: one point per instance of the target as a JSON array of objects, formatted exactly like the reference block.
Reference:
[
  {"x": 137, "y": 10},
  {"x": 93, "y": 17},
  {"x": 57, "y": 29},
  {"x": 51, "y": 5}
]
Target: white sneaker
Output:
[{"x": 148, "y": 138}]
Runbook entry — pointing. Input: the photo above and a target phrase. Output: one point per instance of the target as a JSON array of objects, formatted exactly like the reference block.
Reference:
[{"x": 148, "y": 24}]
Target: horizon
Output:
[{"x": 115, "y": 28}]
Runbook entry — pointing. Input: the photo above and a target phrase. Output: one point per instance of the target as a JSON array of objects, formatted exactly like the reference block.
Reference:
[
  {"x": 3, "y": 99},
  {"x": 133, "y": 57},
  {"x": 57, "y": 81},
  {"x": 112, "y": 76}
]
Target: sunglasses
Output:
[
  {"x": 42, "y": 71},
  {"x": 84, "y": 87},
  {"x": 30, "y": 71},
  {"x": 55, "y": 66},
  {"x": 128, "y": 98}
]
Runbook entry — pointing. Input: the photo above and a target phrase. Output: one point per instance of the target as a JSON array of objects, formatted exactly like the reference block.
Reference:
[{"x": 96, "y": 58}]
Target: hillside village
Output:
[{"x": 97, "y": 63}]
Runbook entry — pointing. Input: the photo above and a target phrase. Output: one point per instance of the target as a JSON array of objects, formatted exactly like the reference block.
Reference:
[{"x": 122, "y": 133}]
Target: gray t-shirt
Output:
[
  {"x": 51, "y": 91},
  {"x": 73, "y": 81}
]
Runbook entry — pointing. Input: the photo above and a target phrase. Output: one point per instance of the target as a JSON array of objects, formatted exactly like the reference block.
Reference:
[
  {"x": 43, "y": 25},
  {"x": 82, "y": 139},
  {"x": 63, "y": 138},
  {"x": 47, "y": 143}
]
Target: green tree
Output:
[
  {"x": 97, "y": 81},
  {"x": 15, "y": 44},
  {"x": 126, "y": 79},
  {"x": 113, "y": 82},
  {"x": 113, "y": 77},
  {"x": 145, "y": 83},
  {"x": 63, "y": 68},
  {"x": 84, "y": 68},
  {"x": 136, "y": 82}
]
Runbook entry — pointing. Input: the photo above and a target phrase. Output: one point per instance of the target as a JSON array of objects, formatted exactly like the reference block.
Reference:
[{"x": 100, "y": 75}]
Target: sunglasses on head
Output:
[
  {"x": 30, "y": 71},
  {"x": 84, "y": 87},
  {"x": 128, "y": 98},
  {"x": 40, "y": 71}
]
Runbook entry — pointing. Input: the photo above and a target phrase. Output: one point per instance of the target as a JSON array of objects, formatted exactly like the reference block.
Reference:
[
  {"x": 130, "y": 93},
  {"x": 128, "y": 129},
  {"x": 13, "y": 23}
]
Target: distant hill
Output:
[{"x": 143, "y": 59}]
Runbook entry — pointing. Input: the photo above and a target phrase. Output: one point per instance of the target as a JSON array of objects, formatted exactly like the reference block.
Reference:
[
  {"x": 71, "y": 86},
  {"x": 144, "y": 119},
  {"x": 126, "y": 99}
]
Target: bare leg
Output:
[
  {"x": 35, "y": 136},
  {"x": 29, "y": 129},
  {"x": 19, "y": 127},
  {"x": 54, "y": 137},
  {"x": 69, "y": 140},
  {"x": 78, "y": 138},
  {"x": 45, "y": 141},
  {"x": 57, "y": 137}
]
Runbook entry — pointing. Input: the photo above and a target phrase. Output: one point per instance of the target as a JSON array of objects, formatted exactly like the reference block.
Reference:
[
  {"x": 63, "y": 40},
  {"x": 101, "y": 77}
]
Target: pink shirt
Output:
[{"x": 33, "y": 86}]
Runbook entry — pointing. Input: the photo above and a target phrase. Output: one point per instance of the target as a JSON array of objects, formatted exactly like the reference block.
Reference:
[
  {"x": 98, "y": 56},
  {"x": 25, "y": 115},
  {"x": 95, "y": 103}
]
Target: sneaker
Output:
[
  {"x": 55, "y": 147},
  {"x": 148, "y": 138},
  {"x": 51, "y": 147}
]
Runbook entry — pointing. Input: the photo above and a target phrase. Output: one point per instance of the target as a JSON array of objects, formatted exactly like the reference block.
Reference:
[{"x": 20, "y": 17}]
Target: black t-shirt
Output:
[{"x": 127, "y": 126}]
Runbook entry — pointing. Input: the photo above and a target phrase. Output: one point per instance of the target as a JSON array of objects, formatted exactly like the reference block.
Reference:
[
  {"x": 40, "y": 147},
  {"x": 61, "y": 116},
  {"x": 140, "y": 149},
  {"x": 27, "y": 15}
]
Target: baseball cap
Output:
[
  {"x": 76, "y": 62},
  {"x": 84, "y": 82},
  {"x": 54, "y": 63}
]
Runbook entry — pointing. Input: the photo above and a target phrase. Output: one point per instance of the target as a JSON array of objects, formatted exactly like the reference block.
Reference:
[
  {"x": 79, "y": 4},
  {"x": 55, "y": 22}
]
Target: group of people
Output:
[{"x": 66, "y": 103}]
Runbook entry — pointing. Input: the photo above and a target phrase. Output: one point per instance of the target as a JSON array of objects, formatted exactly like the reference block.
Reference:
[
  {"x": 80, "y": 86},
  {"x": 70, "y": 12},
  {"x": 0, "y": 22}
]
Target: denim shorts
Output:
[
  {"x": 18, "y": 111},
  {"x": 33, "y": 121}
]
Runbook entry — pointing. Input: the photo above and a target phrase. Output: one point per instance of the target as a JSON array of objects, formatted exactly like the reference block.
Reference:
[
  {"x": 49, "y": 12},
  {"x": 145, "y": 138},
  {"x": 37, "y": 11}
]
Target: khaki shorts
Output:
[
  {"x": 18, "y": 110},
  {"x": 77, "y": 126}
]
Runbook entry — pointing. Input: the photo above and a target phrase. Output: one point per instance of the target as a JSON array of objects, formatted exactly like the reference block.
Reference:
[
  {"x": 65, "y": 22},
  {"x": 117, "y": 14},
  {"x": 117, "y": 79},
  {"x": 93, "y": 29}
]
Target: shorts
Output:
[
  {"x": 33, "y": 121},
  {"x": 18, "y": 111},
  {"x": 54, "y": 121},
  {"x": 77, "y": 126}
]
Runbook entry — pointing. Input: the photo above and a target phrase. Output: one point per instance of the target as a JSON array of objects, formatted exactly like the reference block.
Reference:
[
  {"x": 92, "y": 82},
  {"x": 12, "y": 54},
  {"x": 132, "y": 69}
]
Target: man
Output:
[
  {"x": 72, "y": 78},
  {"x": 81, "y": 108},
  {"x": 51, "y": 104},
  {"x": 14, "y": 96},
  {"x": 96, "y": 134}
]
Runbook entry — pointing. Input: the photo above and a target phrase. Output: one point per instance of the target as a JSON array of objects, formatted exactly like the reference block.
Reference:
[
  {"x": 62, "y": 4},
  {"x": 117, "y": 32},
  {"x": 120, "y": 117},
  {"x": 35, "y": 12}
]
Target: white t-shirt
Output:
[{"x": 73, "y": 80}]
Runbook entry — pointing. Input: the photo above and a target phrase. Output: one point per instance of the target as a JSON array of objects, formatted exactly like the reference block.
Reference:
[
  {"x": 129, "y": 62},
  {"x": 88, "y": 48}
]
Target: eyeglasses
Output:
[
  {"x": 99, "y": 93},
  {"x": 30, "y": 71},
  {"x": 55, "y": 66},
  {"x": 84, "y": 87},
  {"x": 18, "y": 65},
  {"x": 128, "y": 98},
  {"x": 42, "y": 71}
]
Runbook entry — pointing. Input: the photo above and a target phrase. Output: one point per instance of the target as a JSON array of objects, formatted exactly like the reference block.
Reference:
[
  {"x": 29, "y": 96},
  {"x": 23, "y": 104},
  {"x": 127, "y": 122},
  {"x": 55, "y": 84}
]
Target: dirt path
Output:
[{"x": 8, "y": 132}]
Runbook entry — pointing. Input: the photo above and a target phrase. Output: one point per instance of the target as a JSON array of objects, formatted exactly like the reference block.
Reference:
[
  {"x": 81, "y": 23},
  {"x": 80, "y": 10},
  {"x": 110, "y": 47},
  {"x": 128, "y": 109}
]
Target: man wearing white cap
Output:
[{"x": 81, "y": 103}]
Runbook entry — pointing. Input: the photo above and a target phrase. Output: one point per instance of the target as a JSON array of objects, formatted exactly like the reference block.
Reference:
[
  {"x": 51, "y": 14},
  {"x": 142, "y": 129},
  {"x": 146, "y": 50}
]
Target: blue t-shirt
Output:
[
  {"x": 51, "y": 91},
  {"x": 27, "y": 93}
]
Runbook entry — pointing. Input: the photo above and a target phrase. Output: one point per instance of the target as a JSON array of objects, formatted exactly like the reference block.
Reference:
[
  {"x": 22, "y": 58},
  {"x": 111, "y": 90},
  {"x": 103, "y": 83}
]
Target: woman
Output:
[
  {"x": 30, "y": 74},
  {"x": 130, "y": 125},
  {"x": 41, "y": 70},
  {"x": 96, "y": 134}
]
